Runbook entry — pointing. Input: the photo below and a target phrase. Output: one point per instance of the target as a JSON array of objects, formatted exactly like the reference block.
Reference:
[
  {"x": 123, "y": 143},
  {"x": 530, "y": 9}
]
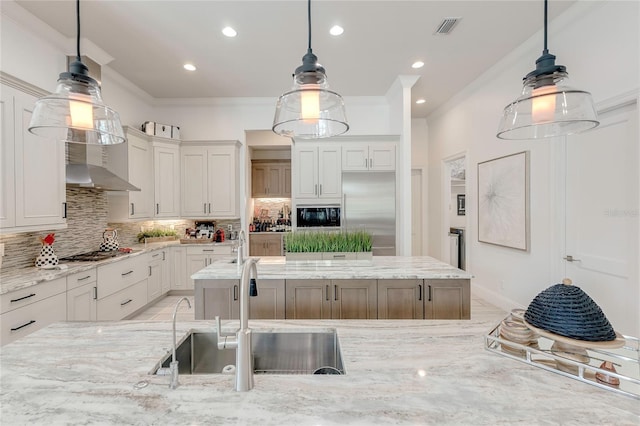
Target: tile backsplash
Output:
[{"x": 86, "y": 221}]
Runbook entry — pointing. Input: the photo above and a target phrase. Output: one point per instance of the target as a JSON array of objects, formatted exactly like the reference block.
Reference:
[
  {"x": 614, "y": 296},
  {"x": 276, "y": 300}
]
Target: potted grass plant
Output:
[
  {"x": 349, "y": 245},
  {"x": 157, "y": 235}
]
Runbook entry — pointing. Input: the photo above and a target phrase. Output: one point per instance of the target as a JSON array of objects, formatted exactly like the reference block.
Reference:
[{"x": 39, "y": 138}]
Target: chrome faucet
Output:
[
  {"x": 173, "y": 366},
  {"x": 241, "y": 342},
  {"x": 240, "y": 248}
]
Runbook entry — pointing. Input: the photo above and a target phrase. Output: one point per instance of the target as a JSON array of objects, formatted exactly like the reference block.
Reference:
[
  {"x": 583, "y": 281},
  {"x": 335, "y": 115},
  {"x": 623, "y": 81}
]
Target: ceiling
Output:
[{"x": 151, "y": 40}]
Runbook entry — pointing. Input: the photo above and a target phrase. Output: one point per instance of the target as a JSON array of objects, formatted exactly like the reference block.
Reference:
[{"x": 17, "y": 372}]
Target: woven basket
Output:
[{"x": 568, "y": 311}]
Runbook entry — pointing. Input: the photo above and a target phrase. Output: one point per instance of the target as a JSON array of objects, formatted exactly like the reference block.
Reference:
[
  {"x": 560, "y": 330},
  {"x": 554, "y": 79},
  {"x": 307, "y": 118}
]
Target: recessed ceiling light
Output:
[
  {"x": 417, "y": 64},
  {"x": 229, "y": 32},
  {"x": 336, "y": 30},
  {"x": 189, "y": 67},
  {"x": 420, "y": 101}
]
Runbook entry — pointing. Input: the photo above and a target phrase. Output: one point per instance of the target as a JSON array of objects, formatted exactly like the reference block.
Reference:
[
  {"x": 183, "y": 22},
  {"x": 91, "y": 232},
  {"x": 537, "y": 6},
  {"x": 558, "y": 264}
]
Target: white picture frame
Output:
[{"x": 503, "y": 201}]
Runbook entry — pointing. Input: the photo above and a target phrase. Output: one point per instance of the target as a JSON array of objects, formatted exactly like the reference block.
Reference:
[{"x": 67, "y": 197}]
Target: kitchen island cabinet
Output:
[
  {"x": 401, "y": 373},
  {"x": 383, "y": 287},
  {"x": 400, "y": 299},
  {"x": 222, "y": 298},
  {"x": 325, "y": 299}
]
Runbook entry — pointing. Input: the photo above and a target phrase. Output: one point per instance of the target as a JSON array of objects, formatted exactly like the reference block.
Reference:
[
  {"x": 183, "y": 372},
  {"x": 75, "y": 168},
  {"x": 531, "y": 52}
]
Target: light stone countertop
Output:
[
  {"x": 397, "y": 372},
  {"x": 19, "y": 278},
  {"x": 379, "y": 267}
]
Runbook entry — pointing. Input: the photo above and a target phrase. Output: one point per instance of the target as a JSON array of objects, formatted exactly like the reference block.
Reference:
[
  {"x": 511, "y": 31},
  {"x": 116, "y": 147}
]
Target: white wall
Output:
[
  {"x": 599, "y": 44},
  {"x": 419, "y": 142}
]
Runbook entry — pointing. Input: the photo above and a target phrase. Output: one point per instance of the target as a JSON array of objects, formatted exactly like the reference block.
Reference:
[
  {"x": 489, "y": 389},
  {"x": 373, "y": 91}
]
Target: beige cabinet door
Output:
[
  {"x": 447, "y": 299},
  {"x": 270, "y": 301},
  {"x": 265, "y": 245},
  {"x": 259, "y": 181},
  {"x": 354, "y": 299},
  {"x": 217, "y": 298},
  {"x": 400, "y": 299},
  {"x": 308, "y": 299}
]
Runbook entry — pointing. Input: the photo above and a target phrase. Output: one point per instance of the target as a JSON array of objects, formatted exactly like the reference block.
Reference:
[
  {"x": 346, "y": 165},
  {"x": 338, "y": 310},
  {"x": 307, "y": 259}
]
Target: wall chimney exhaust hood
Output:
[{"x": 80, "y": 174}]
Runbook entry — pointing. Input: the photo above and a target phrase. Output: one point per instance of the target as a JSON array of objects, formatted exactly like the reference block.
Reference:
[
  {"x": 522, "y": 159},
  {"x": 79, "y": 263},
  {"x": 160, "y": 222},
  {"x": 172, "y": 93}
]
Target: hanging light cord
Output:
[
  {"x": 545, "y": 27},
  {"x": 78, "y": 27},
  {"x": 309, "y": 21}
]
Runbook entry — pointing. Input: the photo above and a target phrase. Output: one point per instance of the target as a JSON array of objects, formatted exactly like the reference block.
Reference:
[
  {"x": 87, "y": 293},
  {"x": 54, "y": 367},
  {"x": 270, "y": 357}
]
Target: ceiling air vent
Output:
[{"x": 446, "y": 26}]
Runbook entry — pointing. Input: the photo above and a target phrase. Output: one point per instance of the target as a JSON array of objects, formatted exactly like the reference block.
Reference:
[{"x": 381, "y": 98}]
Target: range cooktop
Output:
[{"x": 93, "y": 256}]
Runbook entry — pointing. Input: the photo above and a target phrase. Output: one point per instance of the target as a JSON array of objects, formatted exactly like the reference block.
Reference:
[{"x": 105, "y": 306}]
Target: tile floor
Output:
[{"x": 163, "y": 310}]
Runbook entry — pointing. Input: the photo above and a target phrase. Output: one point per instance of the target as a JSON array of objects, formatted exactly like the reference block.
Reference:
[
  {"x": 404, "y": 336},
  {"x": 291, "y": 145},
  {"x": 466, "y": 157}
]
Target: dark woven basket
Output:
[{"x": 568, "y": 311}]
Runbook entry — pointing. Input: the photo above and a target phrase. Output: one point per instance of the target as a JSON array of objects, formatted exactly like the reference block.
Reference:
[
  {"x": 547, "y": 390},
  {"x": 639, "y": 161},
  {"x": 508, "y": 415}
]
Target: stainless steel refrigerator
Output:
[{"x": 369, "y": 203}]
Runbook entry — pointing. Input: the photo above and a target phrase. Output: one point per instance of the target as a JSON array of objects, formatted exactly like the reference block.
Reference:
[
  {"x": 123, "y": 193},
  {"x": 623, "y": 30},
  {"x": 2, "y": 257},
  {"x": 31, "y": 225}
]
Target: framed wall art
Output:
[{"x": 503, "y": 201}]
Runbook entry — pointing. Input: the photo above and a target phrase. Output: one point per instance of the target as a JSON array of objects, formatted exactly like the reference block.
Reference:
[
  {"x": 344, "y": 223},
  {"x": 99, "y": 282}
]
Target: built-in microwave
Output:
[{"x": 318, "y": 216}]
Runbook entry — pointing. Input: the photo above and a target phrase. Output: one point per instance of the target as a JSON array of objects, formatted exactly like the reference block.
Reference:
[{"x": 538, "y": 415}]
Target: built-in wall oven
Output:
[{"x": 328, "y": 216}]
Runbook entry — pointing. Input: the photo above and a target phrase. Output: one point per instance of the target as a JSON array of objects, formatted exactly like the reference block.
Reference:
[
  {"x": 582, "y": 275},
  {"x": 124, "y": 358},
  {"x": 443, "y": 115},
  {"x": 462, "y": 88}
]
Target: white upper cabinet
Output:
[
  {"x": 33, "y": 169},
  {"x": 210, "y": 180},
  {"x": 166, "y": 171},
  {"x": 374, "y": 156},
  {"x": 317, "y": 171},
  {"x": 132, "y": 161}
]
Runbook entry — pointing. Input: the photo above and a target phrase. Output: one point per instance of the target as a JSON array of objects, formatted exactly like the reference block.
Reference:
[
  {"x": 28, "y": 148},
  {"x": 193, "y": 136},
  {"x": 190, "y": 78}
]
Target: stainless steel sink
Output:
[{"x": 273, "y": 353}]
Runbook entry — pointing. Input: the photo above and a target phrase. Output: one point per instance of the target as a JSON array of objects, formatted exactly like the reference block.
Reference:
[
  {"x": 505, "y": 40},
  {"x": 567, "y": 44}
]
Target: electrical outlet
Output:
[{"x": 230, "y": 227}]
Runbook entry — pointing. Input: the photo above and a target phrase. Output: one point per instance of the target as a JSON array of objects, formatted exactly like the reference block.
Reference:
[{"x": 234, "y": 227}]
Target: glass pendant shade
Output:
[
  {"x": 548, "y": 107},
  {"x": 76, "y": 113},
  {"x": 310, "y": 110}
]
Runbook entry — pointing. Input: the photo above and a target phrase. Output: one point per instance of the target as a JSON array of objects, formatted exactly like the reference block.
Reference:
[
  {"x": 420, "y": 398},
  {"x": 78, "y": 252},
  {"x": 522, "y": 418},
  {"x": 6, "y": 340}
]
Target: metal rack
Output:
[{"x": 625, "y": 359}]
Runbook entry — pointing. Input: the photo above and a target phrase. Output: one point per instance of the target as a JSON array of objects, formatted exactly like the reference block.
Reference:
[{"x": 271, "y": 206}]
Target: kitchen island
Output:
[
  {"x": 383, "y": 287},
  {"x": 397, "y": 372}
]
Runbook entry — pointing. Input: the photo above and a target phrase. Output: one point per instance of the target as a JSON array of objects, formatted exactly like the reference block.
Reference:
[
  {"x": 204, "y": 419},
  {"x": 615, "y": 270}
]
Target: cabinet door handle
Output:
[
  {"x": 133, "y": 209},
  {"x": 419, "y": 291},
  {"x": 205, "y": 208},
  {"x": 156, "y": 255},
  {"x": 127, "y": 273},
  {"x": 327, "y": 292},
  {"x": 163, "y": 256},
  {"x": 370, "y": 163},
  {"x": 95, "y": 293},
  {"x": 84, "y": 278},
  {"x": 157, "y": 208},
  {"x": 64, "y": 210},
  {"x": 208, "y": 250},
  {"x": 320, "y": 189},
  {"x": 338, "y": 256},
  {"x": 315, "y": 190},
  {"x": 22, "y": 298},
  {"x": 127, "y": 302},
  {"x": 429, "y": 300},
  {"x": 23, "y": 325},
  {"x": 209, "y": 207},
  {"x": 335, "y": 292},
  {"x": 149, "y": 270},
  {"x": 235, "y": 292}
]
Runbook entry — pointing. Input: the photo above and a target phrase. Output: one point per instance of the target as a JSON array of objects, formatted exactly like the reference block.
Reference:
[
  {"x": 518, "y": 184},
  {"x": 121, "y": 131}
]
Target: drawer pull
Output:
[
  {"x": 127, "y": 302},
  {"x": 22, "y": 298},
  {"x": 429, "y": 294},
  {"x": 235, "y": 292},
  {"x": 419, "y": 291},
  {"x": 336, "y": 256},
  {"x": 95, "y": 293},
  {"x": 84, "y": 278},
  {"x": 156, "y": 255},
  {"x": 23, "y": 325},
  {"x": 208, "y": 250},
  {"x": 126, "y": 273}
]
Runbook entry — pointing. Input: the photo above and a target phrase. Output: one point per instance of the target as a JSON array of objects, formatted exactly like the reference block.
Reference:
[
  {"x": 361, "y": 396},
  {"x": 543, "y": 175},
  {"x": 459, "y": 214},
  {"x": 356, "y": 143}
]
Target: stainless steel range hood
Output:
[{"x": 80, "y": 174}]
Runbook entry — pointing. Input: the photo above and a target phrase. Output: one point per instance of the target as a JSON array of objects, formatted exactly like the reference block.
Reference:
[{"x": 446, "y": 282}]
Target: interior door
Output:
[{"x": 601, "y": 229}]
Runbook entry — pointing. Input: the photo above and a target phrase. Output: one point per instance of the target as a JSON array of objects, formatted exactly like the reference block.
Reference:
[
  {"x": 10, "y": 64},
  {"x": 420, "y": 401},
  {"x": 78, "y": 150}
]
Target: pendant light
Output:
[
  {"x": 310, "y": 110},
  {"x": 76, "y": 112},
  {"x": 547, "y": 107}
]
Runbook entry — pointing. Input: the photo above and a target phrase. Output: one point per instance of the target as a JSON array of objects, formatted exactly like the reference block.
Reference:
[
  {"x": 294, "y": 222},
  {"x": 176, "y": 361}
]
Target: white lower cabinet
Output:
[
  {"x": 27, "y": 310},
  {"x": 81, "y": 303},
  {"x": 180, "y": 276},
  {"x": 123, "y": 303},
  {"x": 81, "y": 296},
  {"x": 119, "y": 287},
  {"x": 159, "y": 279},
  {"x": 202, "y": 256}
]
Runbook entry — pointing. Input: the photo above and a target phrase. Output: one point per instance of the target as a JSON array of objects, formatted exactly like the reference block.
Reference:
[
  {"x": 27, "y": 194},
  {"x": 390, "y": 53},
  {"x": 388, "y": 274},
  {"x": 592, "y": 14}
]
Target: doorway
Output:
[
  {"x": 601, "y": 207},
  {"x": 418, "y": 212},
  {"x": 454, "y": 214}
]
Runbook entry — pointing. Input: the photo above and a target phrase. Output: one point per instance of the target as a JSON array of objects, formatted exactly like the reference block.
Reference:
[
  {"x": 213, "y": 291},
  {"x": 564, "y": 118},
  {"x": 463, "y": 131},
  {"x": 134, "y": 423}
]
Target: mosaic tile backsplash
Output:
[{"x": 86, "y": 220}]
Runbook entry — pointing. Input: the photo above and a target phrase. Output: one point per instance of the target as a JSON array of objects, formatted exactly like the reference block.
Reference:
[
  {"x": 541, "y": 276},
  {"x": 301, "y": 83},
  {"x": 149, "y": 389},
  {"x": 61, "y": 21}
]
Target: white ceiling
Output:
[{"x": 151, "y": 40}]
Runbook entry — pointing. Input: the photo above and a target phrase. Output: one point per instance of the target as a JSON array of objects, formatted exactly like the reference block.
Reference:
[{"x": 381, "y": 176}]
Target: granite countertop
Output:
[
  {"x": 379, "y": 267},
  {"x": 18, "y": 278},
  {"x": 397, "y": 372}
]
